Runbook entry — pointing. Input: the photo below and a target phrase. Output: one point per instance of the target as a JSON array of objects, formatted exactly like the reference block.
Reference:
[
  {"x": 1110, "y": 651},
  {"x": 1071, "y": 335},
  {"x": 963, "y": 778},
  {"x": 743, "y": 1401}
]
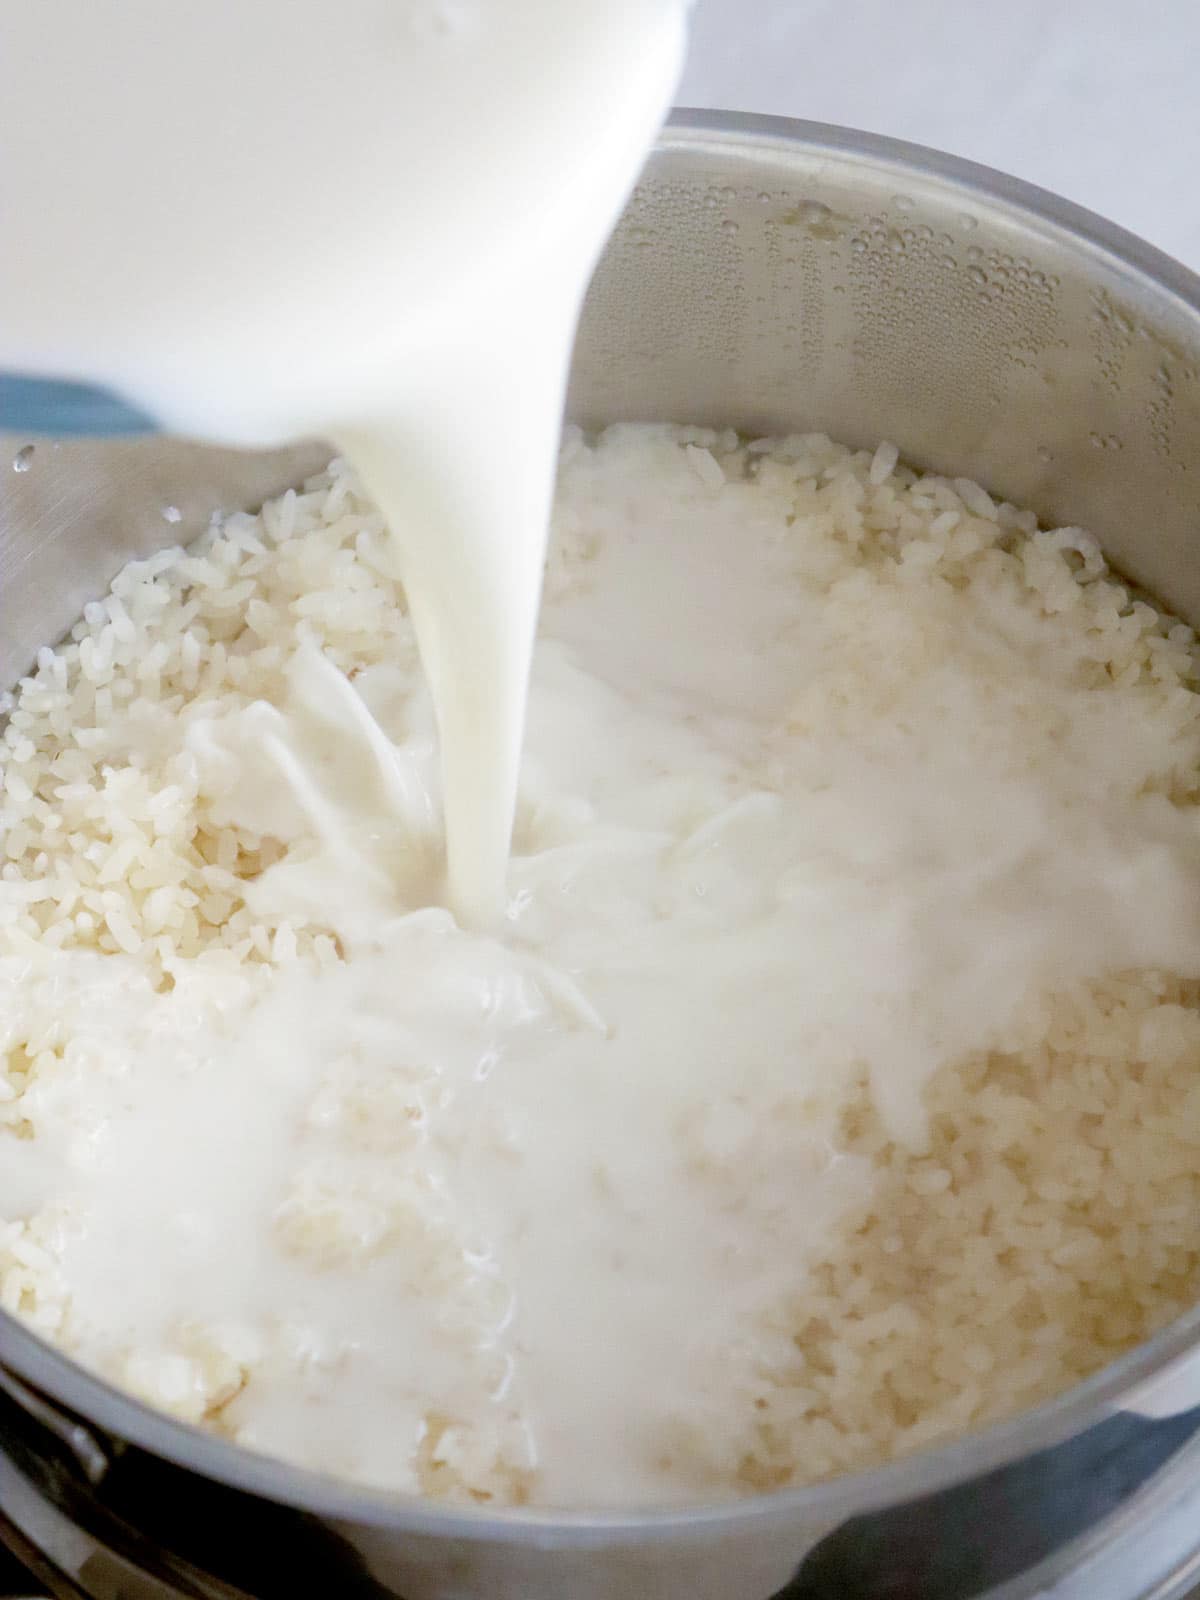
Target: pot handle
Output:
[
  {"x": 88, "y": 1454},
  {"x": 45, "y": 406}
]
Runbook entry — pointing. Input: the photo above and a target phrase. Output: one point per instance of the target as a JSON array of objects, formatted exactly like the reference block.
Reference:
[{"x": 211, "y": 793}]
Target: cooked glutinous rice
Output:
[{"x": 1027, "y": 1217}]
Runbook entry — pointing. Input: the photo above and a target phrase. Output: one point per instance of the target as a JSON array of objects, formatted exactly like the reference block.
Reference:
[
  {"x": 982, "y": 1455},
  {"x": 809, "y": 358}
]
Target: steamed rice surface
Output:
[{"x": 831, "y": 1088}]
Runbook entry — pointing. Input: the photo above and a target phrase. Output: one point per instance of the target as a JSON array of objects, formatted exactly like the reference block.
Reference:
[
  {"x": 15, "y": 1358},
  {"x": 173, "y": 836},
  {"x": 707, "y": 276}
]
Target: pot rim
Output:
[{"x": 94, "y": 1401}]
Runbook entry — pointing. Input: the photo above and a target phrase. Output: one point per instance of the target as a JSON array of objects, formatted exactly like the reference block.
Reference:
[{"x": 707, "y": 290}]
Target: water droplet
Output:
[
  {"x": 975, "y": 254},
  {"x": 1044, "y": 453},
  {"x": 23, "y": 459},
  {"x": 949, "y": 261},
  {"x": 172, "y": 514},
  {"x": 727, "y": 193},
  {"x": 729, "y": 226},
  {"x": 977, "y": 276},
  {"x": 967, "y": 221},
  {"x": 812, "y": 212},
  {"x": 858, "y": 246},
  {"x": 764, "y": 197}
]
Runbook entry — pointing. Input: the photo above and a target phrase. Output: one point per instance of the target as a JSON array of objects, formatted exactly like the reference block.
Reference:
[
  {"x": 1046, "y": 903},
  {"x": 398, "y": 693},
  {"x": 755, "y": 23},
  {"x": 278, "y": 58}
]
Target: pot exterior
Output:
[{"x": 771, "y": 276}]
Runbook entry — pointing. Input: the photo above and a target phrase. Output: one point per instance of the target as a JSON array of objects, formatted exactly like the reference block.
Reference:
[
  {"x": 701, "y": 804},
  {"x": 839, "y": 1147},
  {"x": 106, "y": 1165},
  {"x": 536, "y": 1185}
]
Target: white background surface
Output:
[{"x": 1098, "y": 100}]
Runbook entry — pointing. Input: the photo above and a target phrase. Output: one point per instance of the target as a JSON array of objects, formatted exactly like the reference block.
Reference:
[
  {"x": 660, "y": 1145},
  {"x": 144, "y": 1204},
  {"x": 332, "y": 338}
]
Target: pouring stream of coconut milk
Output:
[{"x": 371, "y": 222}]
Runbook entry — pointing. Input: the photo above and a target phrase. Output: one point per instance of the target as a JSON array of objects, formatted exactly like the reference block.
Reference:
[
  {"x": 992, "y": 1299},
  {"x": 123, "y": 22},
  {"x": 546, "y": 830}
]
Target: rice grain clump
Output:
[{"x": 833, "y": 1088}]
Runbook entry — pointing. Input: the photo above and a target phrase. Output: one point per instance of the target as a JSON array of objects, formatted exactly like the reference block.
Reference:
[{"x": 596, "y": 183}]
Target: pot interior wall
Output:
[
  {"x": 759, "y": 283},
  {"x": 769, "y": 284}
]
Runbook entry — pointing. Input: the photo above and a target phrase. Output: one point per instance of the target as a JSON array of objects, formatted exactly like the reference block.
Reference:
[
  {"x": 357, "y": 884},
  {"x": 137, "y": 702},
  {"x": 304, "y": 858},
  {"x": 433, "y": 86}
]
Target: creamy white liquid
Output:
[
  {"x": 373, "y": 222},
  {"x": 535, "y": 1215}
]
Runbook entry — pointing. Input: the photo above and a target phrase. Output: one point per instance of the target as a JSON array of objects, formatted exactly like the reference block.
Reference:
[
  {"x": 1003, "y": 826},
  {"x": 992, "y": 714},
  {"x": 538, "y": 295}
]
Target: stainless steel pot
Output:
[{"x": 771, "y": 275}]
